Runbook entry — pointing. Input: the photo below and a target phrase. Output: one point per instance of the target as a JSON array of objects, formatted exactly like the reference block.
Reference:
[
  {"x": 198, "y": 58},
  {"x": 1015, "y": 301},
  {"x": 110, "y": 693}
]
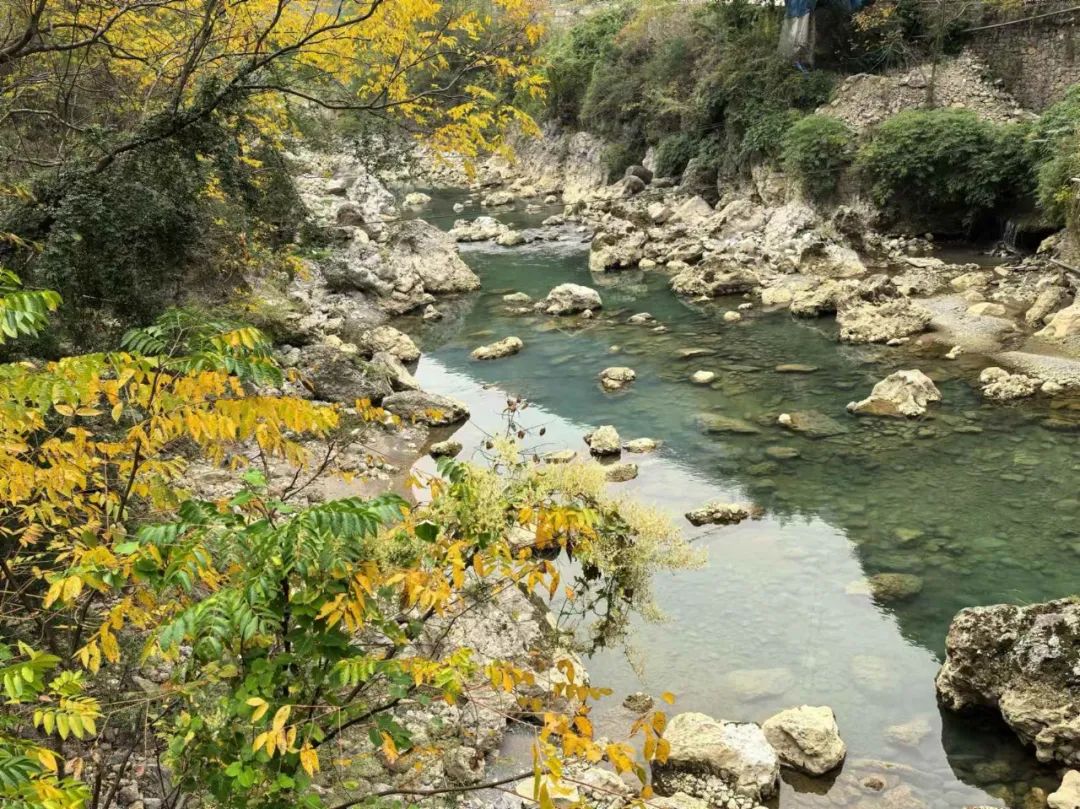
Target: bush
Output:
[
  {"x": 944, "y": 169},
  {"x": 617, "y": 158},
  {"x": 816, "y": 152},
  {"x": 1054, "y": 147},
  {"x": 673, "y": 153},
  {"x": 571, "y": 58}
]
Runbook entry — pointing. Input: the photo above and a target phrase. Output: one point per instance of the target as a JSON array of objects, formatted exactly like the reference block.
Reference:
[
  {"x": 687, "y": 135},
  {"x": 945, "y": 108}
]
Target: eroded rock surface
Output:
[{"x": 1024, "y": 662}]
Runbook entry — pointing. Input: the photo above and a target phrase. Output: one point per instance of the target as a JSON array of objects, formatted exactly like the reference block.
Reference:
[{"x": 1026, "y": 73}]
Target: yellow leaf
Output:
[
  {"x": 668, "y": 697},
  {"x": 309, "y": 760},
  {"x": 260, "y": 705}
]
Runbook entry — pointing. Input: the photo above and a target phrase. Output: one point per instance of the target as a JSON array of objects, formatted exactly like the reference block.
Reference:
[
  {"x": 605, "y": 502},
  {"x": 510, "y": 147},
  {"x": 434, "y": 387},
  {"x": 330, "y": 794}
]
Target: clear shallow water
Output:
[{"x": 979, "y": 501}]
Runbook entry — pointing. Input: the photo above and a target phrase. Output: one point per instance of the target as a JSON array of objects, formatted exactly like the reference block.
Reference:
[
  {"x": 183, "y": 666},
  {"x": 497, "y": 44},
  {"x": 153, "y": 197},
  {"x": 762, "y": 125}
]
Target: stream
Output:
[{"x": 977, "y": 500}]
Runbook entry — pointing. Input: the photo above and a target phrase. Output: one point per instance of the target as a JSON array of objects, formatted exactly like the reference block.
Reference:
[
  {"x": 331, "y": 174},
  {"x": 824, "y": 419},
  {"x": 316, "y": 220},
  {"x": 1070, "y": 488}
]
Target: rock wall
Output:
[{"x": 1035, "y": 60}]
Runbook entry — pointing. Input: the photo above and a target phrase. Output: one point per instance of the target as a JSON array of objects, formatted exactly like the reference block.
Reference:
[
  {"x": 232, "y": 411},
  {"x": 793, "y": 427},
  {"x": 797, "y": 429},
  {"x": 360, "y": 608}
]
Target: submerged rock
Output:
[
  {"x": 499, "y": 349},
  {"x": 1022, "y": 661},
  {"x": 715, "y": 423},
  {"x": 718, "y": 514},
  {"x": 902, "y": 393},
  {"x": 737, "y": 754},
  {"x": 638, "y": 702},
  {"x": 604, "y": 441},
  {"x": 568, "y": 299},
  {"x": 811, "y": 423},
  {"x": 617, "y": 377},
  {"x": 641, "y": 445},
  {"x": 806, "y": 738},
  {"x": 890, "y": 587},
  {"x": 909, "y": 734},
  {"x": 426, "y": 408},
  {"x": 702, "y": 377},
  {"x": 750, "y": 685}
]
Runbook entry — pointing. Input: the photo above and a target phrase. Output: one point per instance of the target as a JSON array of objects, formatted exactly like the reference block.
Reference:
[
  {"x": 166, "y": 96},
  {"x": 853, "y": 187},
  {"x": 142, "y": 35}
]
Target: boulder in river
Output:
[
  {"x": 738, "y": 754},
  {"x": 865, "y": 322},
  {"x": 811, "y": 423},
  {"x": 426, "y": 408},
  {"x": 641, "y": 445},
  {"x": 1067, "y": 796},
  {"x": 445, "y": 449},
  {"x": 712, "y": 279},
  {"x": 1002, "y": 386},
  {"x": 702, "y": 377},
  {"x": 901, "y": 393},
  {"x": 604, "y": 441},
  {"x": 716, "y": 513},
  {"x": 499, "y": 349},
  {"x": 1023, "y": 662},
  {"x": 806, "y": 739},
  {"x": 568, "y": 299},
  {"x": 617, "y": 377}
]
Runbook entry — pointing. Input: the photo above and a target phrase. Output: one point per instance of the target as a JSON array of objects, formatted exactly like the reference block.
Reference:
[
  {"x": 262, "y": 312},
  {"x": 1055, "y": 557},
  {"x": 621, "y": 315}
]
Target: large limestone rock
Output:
[
  {"x": 422, "y": 248},
  {"x": 617, "y": 377},
  {"x": 737, "y": 754},
  {"x": 604, "y": 441},
  {"x": 499, "y": 349},
  {"x": 866, "y": 322},
  {"x": 1063, "y": 324},
  {"x": 614, "y": 251},
  {"x": 480, "y": 229},
  {"x": 337, "y": 376},
  {"x": 1067, "y": 795},
  {"x": 902, "y": 393},
  {"x": 713, "y": 278},
  {"x": 416, "y": 262},
  {"x": 390, "y": 340},
  {"x": 426, "y": 408},
  {"x": 1022, "y": 661},
  {"x": 395, "y": 370},
  {"x": 1048, "y": 299},
  {"x": 567, "y": 299},
  {"x": 806, "y": 738}
]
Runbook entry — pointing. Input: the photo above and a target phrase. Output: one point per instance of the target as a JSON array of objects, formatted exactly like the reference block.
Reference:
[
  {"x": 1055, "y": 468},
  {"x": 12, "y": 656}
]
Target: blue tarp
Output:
[{"x": 800, "y": 8}]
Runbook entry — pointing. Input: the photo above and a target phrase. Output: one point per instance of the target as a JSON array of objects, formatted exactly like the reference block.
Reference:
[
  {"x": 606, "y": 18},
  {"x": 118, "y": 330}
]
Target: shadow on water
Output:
[{"x": 978, "y": 502}]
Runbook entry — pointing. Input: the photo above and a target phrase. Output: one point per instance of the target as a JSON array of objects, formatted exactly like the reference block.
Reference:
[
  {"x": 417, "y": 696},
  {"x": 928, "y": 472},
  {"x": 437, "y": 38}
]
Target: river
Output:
[{"x": 978, "y": 500}]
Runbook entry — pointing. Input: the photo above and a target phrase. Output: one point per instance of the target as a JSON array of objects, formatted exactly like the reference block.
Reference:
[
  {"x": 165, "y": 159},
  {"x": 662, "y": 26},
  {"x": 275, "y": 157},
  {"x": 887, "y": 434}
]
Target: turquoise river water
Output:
[{"x": 978, "y": 500}]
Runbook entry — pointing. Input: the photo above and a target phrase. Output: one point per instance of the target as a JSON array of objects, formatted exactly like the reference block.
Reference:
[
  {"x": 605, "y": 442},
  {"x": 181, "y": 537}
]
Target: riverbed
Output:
[{"x": 977, "y": 500}]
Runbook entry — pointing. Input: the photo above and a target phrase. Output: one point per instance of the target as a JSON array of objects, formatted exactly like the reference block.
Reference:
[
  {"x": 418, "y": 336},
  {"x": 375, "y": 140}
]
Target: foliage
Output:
[
  {"x": 291, "y": 633},
  {"x": 617, "y": 159},
  {"x": 817, "y": 150},
  {"x": 677, "y": 74},
  {"x": 945, "y": 168},
  {"x": 570, "y": 57},
  {"x": 673, "y": 153},
  {"x": 147, "y": 135},
  {"x": 1055, "y": 151}
]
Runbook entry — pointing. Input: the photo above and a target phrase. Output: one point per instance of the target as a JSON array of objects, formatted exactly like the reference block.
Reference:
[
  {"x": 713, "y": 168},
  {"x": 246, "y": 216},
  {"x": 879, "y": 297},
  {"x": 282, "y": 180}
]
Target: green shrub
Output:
[
  {"x": 763, "y": 140},
  {"x": 617, "y": 158},
  {"x": 1054, "y": 147},
  {"x": 571, "y": 57},
  {"x": 816, "y": 152},
  {"x": 673, "y": 153},
  {"x": 944, "y": 169}
]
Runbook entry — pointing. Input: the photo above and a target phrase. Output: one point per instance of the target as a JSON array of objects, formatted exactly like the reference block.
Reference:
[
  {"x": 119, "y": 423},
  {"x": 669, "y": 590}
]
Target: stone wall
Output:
[{"x": 1036, "y": 60}]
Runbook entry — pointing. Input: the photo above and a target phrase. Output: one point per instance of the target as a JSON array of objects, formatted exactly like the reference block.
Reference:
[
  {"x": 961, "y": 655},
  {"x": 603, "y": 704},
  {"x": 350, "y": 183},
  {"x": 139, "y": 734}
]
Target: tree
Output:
[
  {"x": 285, "y": 627},
  {"x": 104, "y": 77}
]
